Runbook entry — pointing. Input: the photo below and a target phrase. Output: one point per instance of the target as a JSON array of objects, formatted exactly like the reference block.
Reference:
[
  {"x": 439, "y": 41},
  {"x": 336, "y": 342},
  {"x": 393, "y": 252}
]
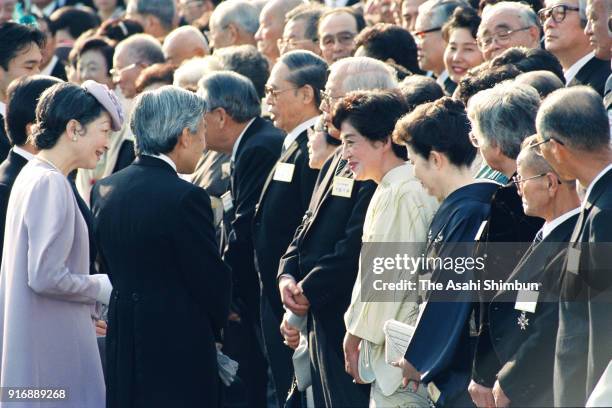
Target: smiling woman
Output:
[
  {"x": 45, "y": 272},
  {"x": 461, "y": 51}
]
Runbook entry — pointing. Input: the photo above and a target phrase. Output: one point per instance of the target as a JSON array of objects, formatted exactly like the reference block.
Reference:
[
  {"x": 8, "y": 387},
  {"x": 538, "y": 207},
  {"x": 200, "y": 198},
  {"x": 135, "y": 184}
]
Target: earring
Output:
[{"x": 74, "y": 138}]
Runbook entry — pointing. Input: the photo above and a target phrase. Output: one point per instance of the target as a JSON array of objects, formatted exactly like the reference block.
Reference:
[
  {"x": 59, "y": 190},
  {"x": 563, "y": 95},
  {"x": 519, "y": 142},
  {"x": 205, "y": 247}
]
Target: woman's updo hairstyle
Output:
[{"x": 57, "y": 106}]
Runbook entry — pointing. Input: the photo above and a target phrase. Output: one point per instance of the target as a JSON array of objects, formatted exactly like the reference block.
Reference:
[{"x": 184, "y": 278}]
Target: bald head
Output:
[
  {"x": 271, "y": 25},
  {"x": 184, "y": 43}
]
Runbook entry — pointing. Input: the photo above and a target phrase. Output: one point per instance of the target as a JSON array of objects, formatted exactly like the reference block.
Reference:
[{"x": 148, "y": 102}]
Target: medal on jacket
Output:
[{"x": 523, "y": 321}]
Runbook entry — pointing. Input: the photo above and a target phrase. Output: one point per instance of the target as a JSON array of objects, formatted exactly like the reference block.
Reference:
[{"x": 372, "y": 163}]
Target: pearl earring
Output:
[{"x": 74, "y": 138}]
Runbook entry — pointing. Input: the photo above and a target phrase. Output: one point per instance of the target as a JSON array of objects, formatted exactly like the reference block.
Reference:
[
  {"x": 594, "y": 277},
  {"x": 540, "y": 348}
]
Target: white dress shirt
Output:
[
  {"x": 2, "y": 108},
  {"x": 595, "y": 180},
  {"x": 571, "y": 72},
  {"x": 237, "y": 143},
  {"x": 165, "y": 158},
  {"x": 549, "y": 227},
  {"x": 291, "y": 136},
  {"x": 23, "y": 153},
  {"x": 49, "y": 68}
]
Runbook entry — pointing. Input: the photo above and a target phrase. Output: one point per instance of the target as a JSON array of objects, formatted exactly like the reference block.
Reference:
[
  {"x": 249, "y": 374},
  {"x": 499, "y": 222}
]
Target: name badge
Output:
[
  {"x": 573, "y": 259},
  {"x": 527, "y": 300},
  {"x": 480, "y": 231},
  {"x": 434, "y": 392},
  {"x": 225, "y": 169},
  {"x": 227, "y": 201},
  {"x": 343, "y": 186},
  {"x": 284, "y": 172}
]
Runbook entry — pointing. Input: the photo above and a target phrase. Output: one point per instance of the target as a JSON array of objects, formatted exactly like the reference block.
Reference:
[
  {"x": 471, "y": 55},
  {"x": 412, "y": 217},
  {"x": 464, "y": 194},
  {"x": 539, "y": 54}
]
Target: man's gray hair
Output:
[
  {"x": 364, "y": 73},
  {"x": 233, "y": 92},
  {"x": 191, "y": 71},
  {"x": 159, "y": 117},
  {"x": 505, "y": 115},
  {"x": 239, "y": 12},
  {"x": 525, "y": 13},
  {"x": 142, "y": 48},
  {"x": 576, "y": 116},
  {"x": 164, "y": 10},
  {"x": 440, "y": 11}
]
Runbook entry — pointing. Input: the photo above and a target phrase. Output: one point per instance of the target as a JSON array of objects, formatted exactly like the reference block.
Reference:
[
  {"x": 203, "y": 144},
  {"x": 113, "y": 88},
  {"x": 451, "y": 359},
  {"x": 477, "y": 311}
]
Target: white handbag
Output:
[{"x": 397, "y": 339}]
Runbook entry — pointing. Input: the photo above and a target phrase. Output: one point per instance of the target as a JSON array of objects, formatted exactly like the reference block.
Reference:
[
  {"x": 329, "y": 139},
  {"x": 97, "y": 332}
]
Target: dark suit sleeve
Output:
[
  {"x": 4, "y": 197},
  {"x": 201, "y": 268},
  {"x": 335, "y": 273},
  {"x": 251, "y": 176},
  {"x": 517, "y": 376},
  {"x": 443, "y": 324}
]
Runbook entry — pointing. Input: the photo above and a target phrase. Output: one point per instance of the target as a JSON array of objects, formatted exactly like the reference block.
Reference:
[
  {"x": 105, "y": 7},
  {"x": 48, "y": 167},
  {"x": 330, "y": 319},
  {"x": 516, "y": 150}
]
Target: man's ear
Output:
[
  {"x": 185, "y": 139},
  {"x": 307, "y": 94},
  {"x": 234, "y": 34},
  {"x": 436, "y": 159}
]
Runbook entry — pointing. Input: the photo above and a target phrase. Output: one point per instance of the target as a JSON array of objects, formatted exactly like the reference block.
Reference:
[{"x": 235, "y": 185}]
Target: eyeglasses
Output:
[
  {"x": 343, "y": 38},
  {"x": 116, "y": 73},
  {"x": 327, "y": 99},
  {"x": 518, "y": 180},
  {"x": 557, "y": 13},
  {"x": 269, "y": 91},
  {"x": 610, "y": 26},
  {"x": 421, "y": 34},
  {"x": 501, "y": 37},
  {"x": 537, "y": 146},
  {"x": 292, "y": 42}
]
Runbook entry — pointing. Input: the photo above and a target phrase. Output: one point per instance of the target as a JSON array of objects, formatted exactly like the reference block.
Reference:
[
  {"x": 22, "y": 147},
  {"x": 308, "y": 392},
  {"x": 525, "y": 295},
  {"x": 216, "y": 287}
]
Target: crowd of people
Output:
[{"x": 192, "y": 193}]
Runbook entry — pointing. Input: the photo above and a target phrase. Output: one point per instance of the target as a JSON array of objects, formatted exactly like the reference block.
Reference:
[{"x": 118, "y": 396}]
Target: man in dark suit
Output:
[
  {"x": 317, "y": 273},
  {"x": 254, "y": 145},
  {"x": 23, "y": 96},
  {"x": 523, "y": 333},
  {"x": 20, "y": 55},
  {"x": 171, "y": 290},
  {"x": 575, "y": 140},
  {"x": 293, "y": 97}
]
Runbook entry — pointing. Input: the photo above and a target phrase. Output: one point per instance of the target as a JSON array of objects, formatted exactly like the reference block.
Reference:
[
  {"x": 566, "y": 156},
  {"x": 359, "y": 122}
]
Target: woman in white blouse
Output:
[
  {"x": 400, "y": 211},
  {"x": 47, "y": 296}
]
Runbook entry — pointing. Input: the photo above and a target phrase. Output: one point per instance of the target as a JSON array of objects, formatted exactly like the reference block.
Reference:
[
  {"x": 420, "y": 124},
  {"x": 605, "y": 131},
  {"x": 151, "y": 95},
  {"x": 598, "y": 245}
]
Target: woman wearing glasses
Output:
[{"x": 529, "y": 332}]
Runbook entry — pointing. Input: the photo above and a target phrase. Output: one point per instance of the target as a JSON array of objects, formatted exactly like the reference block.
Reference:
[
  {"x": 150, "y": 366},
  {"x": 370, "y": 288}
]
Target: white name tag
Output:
[
  {"x": 227, "y": 201},
  {"x": 573, "y": 259},
  {"x": 343, "y": 186},
  {"x": 225, "y": 169},
  {"x": 527, "y": 300},
  {"x": 284, "y": 172},
  {"x": 480, "y": 230},
  {"x": 434, "y": 392}
]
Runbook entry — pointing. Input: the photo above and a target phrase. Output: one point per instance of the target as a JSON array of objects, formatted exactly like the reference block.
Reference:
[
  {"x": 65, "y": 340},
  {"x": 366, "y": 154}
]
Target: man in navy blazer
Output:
[{"x": 575, "y": 140}]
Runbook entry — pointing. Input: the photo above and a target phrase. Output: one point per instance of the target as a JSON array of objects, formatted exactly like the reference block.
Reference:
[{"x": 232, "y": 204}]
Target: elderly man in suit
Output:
[
  {"x": 521, "y": 334},
  {"x": 293, "y": 96},
  {"x": 234, "y": 127},
  {"x": 156, "y": 241},
  {"x": 317, "y": 273},
  {"x": 575, "y": 139}
]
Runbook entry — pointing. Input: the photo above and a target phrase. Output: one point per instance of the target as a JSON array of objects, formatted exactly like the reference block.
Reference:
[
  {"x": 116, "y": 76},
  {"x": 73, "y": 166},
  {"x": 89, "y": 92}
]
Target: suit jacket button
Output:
[
  {"x": 497, "y": 339},
  {"x": 135, "y": 297}
]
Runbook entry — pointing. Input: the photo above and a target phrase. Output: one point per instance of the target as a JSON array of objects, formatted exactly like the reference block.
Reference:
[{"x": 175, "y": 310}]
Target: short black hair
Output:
[
  {"x": 530, "y": 59},
  {"x": 443, "y": 126},
  {"x": 23, "y": 95},
  {"x": 73, "y": 19},
  {"x": 306, "y": 68},
  {"x": 463, "y": 17},
  {"x": 545, "y": 82},
  {"x": 15, "y": 38},
  {"x": 487, "y": 78},
  {"x": 57, "y": 106},
  {"x": 99, "y": 44},
  {"x": 419, "y": 89},
  {"x": 119, "y": 29},
  {"x": 359, "y": 107},
  {"x": 383, "y": 41},
  {"x": 310, "y": 14}
]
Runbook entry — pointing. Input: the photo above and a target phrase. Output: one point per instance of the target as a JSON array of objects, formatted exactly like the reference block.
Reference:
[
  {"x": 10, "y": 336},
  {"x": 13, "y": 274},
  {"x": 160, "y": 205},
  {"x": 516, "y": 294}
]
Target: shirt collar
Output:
[
  {"x": 237, "y": 142},
  {"x": 291, "y": 136},
  {"x": 573, "y": 70},
  {"x": 23, "y": 153},
  {"x": 398, "y": 174},
  {"x": 442, "y": 78},
  {"x": 595, "y": 180},
  {"x": 549, "y": 227},
  {"x": 2, "y": 108},
  {"x": 49, "y": 68},
  {"x": 165, "y": 158}
]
